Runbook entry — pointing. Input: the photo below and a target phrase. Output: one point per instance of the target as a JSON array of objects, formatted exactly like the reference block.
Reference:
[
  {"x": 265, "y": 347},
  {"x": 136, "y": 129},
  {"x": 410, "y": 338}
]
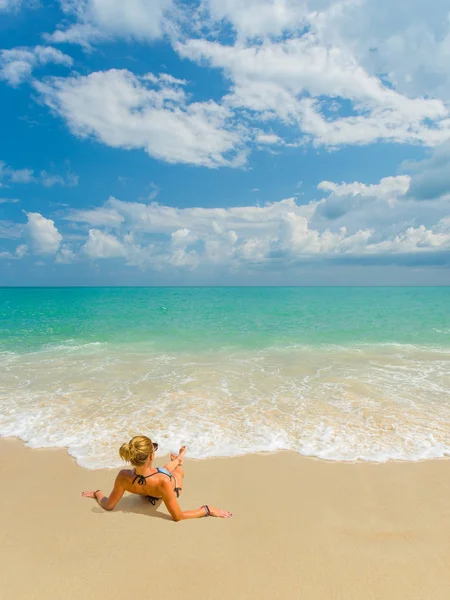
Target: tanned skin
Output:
[{"x": 159, "y": 486}]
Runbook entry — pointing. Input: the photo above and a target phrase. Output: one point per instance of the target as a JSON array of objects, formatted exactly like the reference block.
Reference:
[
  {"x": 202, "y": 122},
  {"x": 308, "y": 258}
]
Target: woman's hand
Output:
[
  {"x": 217, "y": 512},
  {"x": 88, "y": 495}
]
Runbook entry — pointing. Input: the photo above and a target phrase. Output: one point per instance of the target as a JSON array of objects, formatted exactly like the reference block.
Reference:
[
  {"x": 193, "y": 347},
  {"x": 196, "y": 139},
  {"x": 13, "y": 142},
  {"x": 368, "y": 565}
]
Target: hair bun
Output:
[{"x": 137, "y": 450}]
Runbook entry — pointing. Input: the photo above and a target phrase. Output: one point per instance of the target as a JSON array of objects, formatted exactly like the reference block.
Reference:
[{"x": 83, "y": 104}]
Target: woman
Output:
[{"x": 157, "y": 483}]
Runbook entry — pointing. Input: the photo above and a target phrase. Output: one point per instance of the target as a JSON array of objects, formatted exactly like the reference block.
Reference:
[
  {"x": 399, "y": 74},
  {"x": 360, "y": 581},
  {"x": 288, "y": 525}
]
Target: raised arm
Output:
[
  {"x": 171, "y": 502},
  {"x": 108, "y": 503}
]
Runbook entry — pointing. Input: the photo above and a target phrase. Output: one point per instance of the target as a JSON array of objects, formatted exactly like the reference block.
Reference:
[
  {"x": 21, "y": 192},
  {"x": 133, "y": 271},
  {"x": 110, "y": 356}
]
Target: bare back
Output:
[{"x": 152, "y": 487}]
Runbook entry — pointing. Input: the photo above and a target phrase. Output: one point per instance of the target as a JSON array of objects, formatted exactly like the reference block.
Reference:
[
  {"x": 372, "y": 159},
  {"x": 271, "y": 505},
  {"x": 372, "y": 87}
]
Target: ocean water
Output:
[{"x": 338, "y": 373}]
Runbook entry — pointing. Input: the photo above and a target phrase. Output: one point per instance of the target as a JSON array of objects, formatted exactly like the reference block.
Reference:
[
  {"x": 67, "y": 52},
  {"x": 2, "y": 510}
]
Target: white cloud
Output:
[
  {"x": 103, "y": 245},
  {"x": 386, "y": 208},
  {"x": 388, "y": 187},
  {"x": 268, "y": 138},
  {"x": 335, "y": 71},
  {"x": 125, "y": 111},
  {"x": 17, "y": 64},
  {"x": 417, "y": 239},
  {"x": 409, "y": 46},
  {"x": 156, "y": 218},
  {"x": 44, "y": 236},
  {"x": 257, "y": 18},
  {"x": 305, "y": 82},
  {"x": 352, "y": 222},
  {"x": 105, "y": 217},
  {"x": 9, "y": 176},
  {"x": 100, "y": 20},
  {"x": 346, "y": 197},
  {"x": 182, "y": 237}
]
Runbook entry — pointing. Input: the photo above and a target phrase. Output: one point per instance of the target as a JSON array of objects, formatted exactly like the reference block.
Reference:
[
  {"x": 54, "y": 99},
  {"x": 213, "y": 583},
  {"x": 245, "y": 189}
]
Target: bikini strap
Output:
[{"x": 142, "y": 480}]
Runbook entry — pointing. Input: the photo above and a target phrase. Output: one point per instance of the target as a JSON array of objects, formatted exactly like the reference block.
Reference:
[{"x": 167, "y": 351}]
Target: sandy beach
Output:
[{"x": 344, "y": 531}]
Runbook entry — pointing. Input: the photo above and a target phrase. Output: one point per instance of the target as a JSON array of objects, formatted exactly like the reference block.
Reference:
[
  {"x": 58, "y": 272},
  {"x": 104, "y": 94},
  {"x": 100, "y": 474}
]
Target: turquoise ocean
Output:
[{"x": 337, "y": 373}]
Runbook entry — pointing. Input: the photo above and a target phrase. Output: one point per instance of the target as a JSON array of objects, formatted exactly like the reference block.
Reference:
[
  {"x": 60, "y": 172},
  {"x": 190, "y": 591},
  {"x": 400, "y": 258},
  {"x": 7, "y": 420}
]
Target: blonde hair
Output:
[{"x": 137, "y": 450}]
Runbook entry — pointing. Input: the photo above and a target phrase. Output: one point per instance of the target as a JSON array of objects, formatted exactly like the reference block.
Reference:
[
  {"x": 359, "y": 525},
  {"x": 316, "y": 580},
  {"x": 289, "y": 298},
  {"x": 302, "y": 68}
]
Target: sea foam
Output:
[{"x": 345, "y": 403}]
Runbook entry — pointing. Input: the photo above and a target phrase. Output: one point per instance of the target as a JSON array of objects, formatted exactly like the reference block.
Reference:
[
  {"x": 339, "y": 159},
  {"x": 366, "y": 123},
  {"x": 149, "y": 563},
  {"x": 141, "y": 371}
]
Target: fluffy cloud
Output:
[
  {"x": 103, "y": 245},
  {"x": 259, "y": 18},
  {"x": 409, "y": 47},
  {"x": 386, "y": 208},
  {"x": 154, "y": 113},
  {"x": 306, "y": 82},
  {"x": 336, "y": 72},
  {"x": 17, "y": 64},
  {"x": 417, "y": 239},
  {"x": 98, "y": 217},
  {"x": 353, "y": 222},
  {"x": 44, "y": 236},
  {"x": 100, "y": 20},
  {"x": 346, "y": 197}
]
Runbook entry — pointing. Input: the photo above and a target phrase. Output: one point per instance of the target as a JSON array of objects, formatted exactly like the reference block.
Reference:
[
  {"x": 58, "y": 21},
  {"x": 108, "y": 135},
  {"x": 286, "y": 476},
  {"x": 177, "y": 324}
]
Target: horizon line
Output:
[{"x": 5, "y": 287}]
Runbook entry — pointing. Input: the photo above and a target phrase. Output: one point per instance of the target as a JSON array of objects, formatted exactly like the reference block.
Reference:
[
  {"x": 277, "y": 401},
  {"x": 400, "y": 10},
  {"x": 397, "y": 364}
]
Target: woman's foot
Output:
[
  {"x": 180, "y": 455},
  {"x": 217, "y": 512}
]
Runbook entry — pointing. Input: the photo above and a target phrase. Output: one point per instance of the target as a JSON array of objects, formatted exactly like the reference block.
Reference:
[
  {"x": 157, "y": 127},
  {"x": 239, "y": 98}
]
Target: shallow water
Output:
[{"x": 337, "y": 373}]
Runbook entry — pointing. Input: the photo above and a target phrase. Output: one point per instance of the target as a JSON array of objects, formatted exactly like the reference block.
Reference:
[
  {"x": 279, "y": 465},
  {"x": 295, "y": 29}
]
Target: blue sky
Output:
[{"x": 155, "y": 142}]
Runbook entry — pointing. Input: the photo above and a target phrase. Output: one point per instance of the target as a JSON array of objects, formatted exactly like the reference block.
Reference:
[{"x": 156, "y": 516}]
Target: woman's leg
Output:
[
  {"x": 178, "y": 476},
  {"x": 174, "y": 468},
  {"x": 176, "y": 460}
]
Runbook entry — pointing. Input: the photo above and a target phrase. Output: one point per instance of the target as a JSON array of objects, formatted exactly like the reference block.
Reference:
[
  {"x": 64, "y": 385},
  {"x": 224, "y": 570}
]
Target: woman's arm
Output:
[
  {"x": 171, "y": 502},
  {"x": 108, "y": 503}
]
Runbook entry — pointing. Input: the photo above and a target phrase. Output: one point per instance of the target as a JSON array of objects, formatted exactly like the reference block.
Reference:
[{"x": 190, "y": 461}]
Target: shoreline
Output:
[
  {"x": 162, "y": 457},
  {"x": 303, "y": 529}
]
